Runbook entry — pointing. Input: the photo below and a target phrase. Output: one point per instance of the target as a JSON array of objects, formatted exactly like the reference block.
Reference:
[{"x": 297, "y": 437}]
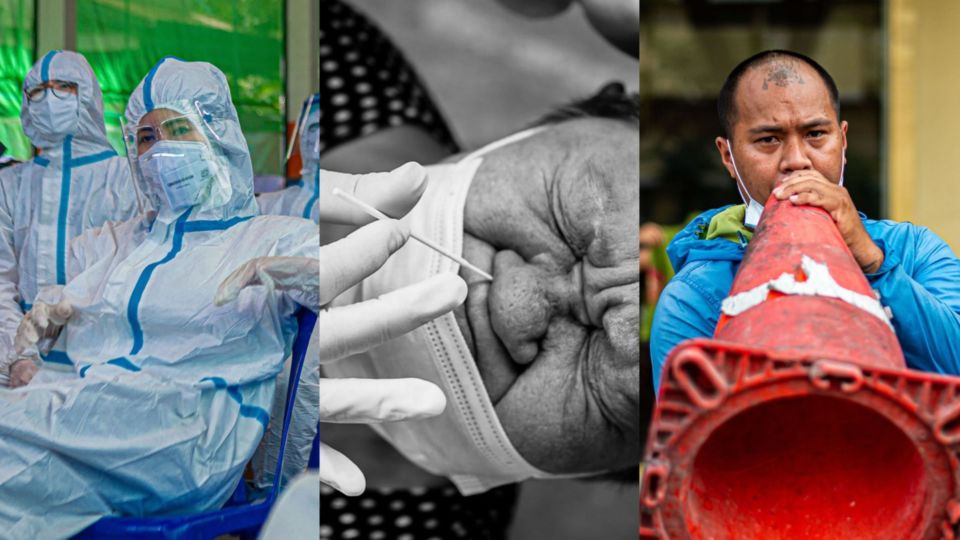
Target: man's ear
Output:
[
  {"x": 725, "y": 150},
  {"x": 843, "y": 136}
]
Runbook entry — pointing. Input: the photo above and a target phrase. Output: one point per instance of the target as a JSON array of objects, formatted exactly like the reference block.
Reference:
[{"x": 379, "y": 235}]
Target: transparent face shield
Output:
[
  {"x": 174, "y": 156},
  {"x": 301, "y": 122}
]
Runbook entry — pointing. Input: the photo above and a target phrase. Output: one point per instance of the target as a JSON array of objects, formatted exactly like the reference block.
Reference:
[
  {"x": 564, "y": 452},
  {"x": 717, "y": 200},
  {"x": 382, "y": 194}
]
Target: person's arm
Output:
[
  {"x": 10, "y": 311},
  {"x": 683, "y": 312},
  {"x": 925, "y": 301}
]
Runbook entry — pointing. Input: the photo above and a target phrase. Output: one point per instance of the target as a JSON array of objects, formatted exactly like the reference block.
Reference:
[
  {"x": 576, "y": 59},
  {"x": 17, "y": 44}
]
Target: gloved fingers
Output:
[
  {"x": 358, "y": 327},
  {"x": 394, "y": 193},
  {"x": 242, "y": 277},
  {"x": 39, "y": 314},
  {"x": 346, "y": 262},
  {"x": 60, "y": 313},
  {"x": 282, "y": 273},
  {"x": 370, "y": 401},
  {"x": 338, "y": 472},
  {"x": 27, "y": 335}
]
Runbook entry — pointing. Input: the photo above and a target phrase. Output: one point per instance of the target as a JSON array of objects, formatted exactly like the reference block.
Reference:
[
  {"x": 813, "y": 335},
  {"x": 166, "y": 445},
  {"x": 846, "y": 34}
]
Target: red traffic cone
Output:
[{"x": 799, "y": 419}]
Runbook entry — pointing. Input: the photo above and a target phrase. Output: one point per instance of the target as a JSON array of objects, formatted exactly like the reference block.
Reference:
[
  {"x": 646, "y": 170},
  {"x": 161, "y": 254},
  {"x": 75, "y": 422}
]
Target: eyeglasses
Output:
[
  {"x": 61, "y": 89},
  {"x": 176, "y": 128}
]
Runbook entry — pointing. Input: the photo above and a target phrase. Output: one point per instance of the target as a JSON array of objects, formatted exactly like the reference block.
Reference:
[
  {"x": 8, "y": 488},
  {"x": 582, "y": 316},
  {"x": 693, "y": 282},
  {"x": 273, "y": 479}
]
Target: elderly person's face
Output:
[
  {"x": 165, "y": 124},
  {"x": 556, "y": 334}
]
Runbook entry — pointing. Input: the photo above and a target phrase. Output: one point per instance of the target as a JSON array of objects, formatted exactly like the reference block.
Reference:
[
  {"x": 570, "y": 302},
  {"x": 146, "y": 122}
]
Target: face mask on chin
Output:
[
  {"x": 754, "y": 209},
  {"x": 467, "y": 443}
]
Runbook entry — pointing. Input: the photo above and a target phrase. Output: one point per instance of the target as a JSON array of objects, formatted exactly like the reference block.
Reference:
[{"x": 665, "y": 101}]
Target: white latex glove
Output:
[
  {"x": 36, "y": 335},
  {"x": 348, "y": 330}
]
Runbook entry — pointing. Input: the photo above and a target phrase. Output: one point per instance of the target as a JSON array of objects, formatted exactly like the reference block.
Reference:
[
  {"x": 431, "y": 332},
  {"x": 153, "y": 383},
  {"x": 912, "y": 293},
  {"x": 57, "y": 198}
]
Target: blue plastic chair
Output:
[{"x": 240, "y": 516}]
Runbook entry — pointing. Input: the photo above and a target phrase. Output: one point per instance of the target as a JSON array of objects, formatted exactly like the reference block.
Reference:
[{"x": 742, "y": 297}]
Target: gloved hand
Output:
[
  {"x": 36, "y": 335},
  {"x": 351, "y": 329},
  {"x": 22, "y": 372}
]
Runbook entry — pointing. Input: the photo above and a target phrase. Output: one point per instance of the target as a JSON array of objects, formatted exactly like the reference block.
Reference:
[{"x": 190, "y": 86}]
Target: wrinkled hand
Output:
[
  {"x": 40, "y": 328},
  {"x": 811, "y": 188}
]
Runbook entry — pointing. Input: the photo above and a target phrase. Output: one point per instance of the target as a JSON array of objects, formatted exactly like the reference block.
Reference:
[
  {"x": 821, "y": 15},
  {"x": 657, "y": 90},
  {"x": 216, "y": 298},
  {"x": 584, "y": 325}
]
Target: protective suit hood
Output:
[
  {"x": 200, "y": 90},
  {"x": 90, "y": 134}
]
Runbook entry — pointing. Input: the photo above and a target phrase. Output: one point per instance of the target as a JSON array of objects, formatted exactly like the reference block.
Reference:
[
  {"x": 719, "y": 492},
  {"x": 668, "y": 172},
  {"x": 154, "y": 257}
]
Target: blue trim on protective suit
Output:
[
  {"x": 45, "y": 65},
  {"x": 148, "y": 83},
  {"x": 182, "y": 226},
  {"x": 62, "y": 215},
  {"x": 218, "y": 382},
  {"x": 316, "y": 194},
  {"x": 57, "y": 357},
  {"x": 93, "y": 158},
  {"x": 249, "y": 411},
  {"x": 132, "y": 308},
  {"x": 124, "y": 363},
  {"x": 202, "y": 225},
  {"x": 41, "y": 161}
]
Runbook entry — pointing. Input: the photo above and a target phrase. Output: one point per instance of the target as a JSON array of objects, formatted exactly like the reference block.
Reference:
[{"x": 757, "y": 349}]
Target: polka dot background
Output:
[
  {"x": 416, "y": 514},
  {"x": 366, "y": 85}
]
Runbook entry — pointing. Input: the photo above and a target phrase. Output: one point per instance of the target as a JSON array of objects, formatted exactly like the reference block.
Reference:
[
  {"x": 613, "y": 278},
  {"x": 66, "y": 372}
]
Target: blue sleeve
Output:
[
  {"x": 924, "y": 300},
  {"x": 683, "y": 312}
]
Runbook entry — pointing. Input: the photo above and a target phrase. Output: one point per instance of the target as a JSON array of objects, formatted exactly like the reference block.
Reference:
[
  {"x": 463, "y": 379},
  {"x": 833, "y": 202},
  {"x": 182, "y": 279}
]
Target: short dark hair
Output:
[
  {"x": 726, "y": 105},
  {"x": 611, "y": 101}
]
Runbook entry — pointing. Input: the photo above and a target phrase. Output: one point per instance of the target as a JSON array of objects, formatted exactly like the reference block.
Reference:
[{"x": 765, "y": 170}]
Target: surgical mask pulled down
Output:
[
  {"x": 53, "y": 118},
  {"x": 754, "y": 208}
]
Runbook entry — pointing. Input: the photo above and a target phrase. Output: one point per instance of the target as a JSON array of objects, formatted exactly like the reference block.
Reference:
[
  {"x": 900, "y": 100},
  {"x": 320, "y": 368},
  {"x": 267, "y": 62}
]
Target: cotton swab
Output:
[{"x": 373, "y": 212}]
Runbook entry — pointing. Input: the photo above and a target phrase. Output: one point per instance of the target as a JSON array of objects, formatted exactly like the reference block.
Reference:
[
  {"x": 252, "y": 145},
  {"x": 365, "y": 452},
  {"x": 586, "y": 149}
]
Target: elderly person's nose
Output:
[
  {"x": 523, "y": 299},
  {"x": 519, "y": 308},
  {"x": 794, "y": 157}
]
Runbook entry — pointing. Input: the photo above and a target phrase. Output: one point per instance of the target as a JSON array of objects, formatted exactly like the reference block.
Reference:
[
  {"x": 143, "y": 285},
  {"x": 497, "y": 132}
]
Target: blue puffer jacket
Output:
[{"x": 919, "y": 280}]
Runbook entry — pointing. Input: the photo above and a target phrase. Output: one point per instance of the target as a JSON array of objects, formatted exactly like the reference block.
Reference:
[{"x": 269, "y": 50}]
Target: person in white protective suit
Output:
[
  {"x": 171, "y": 393},
  {"x": 301, "y": 199},
  {"x": 77, "y": 183}
]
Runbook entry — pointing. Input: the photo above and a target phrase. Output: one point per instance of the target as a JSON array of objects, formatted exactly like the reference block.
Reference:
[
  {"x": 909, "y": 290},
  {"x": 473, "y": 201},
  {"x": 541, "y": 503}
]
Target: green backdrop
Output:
[{"x": 122, "y": 40}]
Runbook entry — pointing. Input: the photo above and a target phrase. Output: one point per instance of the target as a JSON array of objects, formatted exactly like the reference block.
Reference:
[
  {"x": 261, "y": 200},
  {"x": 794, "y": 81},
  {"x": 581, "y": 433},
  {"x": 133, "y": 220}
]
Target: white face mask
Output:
[
  {"x": 754, "y": 208},
  {"x": 183, "y": 169},
  {"x": 467, "y": 443},
  {"x": 53, "y": 118}
]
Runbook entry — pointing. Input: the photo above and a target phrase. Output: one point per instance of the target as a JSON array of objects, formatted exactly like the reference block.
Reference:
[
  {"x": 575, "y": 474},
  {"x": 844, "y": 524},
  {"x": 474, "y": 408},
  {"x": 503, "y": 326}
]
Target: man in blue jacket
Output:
[{"x": 780, "y": 113}]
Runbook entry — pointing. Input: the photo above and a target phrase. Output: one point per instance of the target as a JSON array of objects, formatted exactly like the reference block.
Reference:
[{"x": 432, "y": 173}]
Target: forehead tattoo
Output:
[{"x": 782, "y": 74}]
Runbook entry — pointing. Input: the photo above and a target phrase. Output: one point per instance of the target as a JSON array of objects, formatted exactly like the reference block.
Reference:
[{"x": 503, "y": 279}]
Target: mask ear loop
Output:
[
  {"x": 133, "y": 171},
  {"x": 301, "y": 122}
]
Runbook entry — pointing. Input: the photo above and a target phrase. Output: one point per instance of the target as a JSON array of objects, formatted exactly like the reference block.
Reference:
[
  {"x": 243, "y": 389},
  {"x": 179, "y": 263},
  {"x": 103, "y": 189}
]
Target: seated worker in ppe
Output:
[
  {"x": 171, "y": 393},
  {"x": 300, "y": 199},
  {"x": 540, "y": 367},
  {"x": 77, "y": 183},
  {"x": 782, "y": 134}
]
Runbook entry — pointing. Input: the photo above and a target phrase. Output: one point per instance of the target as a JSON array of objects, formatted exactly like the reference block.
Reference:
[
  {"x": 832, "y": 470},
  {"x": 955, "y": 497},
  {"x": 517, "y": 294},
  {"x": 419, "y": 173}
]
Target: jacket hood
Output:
[{"x": 710, "y": 236}]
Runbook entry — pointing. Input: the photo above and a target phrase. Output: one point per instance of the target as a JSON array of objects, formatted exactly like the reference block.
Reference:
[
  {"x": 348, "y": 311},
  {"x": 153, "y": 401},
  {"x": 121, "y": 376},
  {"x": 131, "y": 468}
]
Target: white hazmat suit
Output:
[
  {"x": 301, "y": 199},
  {"x": 171, "y": 393},
  {"x": 78, "y": 183}
]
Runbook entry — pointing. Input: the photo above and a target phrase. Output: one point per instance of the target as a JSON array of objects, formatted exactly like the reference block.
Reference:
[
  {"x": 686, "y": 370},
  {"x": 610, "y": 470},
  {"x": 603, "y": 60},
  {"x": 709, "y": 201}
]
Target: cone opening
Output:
[{"x": 806, "y": 467}]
